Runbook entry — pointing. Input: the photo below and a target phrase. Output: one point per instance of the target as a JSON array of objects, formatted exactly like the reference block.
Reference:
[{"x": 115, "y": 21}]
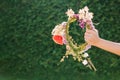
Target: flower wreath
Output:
[{"x": 61, "y": 36}]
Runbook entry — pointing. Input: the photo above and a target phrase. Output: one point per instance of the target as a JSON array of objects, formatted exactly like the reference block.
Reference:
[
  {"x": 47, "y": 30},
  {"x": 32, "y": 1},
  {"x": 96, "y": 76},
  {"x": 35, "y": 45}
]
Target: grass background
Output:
[{"x": 27, "y": 51}]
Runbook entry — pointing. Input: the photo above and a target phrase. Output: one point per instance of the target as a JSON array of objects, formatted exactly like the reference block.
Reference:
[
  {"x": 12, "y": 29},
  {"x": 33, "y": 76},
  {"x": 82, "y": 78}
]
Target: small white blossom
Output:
[
  {"x": 81, "y": 16},
  {"x": 85, "y": 55},
  {"x": 81, "y": 11},
  {"x": 70, "y": 12},
  {"x": 86, "y": 9},
  {"x": 85, "y": 62},
  {"x": 89, "y": 16}
]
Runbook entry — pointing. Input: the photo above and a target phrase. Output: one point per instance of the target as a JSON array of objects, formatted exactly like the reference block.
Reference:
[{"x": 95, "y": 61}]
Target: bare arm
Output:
[
  {"x": 92, "y": 37},
  {"x": 109, "y": 46}
]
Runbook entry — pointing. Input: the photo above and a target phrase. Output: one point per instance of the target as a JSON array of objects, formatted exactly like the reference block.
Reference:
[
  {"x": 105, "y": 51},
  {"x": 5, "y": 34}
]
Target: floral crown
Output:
[{"x": 61, "y": 36}]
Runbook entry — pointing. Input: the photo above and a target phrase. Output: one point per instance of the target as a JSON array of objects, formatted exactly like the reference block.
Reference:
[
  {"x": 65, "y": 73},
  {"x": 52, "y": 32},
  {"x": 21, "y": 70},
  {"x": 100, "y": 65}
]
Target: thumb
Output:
[{"x": 95, "y": 30}]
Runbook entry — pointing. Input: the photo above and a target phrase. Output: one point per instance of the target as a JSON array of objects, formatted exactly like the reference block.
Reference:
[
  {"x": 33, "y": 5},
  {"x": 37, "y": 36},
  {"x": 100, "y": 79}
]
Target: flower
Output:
[
  {"x": 81, "y": 24},
  {"x": 86, "y": 9},
  {"x": 61, "y": 36},
  {"x": 89, "y": 16},
  {"x": 58, "y": 39},
  {"x": 64, "y": 40},
  {"x": 59, "y": 29},
  {"x": 81, "y": 11},
  {"x": 84, "y": 14},
  {"x": 58, "y": 33},
  {"x": 76, "y": 16},
  {"x": 64, "y": 24},
  {"x": 85, "y": 62},
  {"x": 70, "y": 13},
  {"x": 85, "y": 55},
  {"x": 81, "y": 14}
]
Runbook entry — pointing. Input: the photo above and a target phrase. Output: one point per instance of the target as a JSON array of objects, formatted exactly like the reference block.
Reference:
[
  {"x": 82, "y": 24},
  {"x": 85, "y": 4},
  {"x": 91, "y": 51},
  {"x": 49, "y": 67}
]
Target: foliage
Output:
[{"x": 27, "y": 50}]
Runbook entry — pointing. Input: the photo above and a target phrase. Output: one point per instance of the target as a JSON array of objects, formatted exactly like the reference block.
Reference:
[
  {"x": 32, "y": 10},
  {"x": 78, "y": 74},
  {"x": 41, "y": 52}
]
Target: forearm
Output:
[{"x": 109, "y": 46}]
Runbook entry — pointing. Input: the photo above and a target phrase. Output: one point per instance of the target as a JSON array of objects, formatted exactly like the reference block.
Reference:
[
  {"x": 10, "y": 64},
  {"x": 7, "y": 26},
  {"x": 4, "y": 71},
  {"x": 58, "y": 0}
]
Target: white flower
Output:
[
  {"x": 85, "y": 62},
  {"x": 84, "y": 14},
  {"x": 64, "y": 24},
  {"x": 81, "y": 16},
  {"x": 86, "y": 9},
  {"x": 59, "y": 29},
  {"x": 81, "y": 11},
  {"x": 85, "y": 55},
  {"x": 89, "y": 16},
  {"x": 56, "y": 31},
  {"x": 70, "y": 12}
]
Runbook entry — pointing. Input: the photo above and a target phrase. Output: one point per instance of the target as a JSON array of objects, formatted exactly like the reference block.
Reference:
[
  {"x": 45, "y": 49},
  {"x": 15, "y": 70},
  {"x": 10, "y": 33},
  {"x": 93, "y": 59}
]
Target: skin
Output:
[{"x": 92, "y": 38}]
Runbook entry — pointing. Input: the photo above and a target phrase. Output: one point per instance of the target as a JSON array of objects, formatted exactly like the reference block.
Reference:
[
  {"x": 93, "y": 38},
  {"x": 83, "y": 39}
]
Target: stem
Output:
[
  {"x": 68, "y": 37},
  {"x": 76, "y": 49}
]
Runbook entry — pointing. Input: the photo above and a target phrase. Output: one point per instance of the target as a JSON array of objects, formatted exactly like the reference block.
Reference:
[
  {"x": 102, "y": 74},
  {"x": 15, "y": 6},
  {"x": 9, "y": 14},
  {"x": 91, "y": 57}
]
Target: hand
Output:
[{"x": 92, "y": 37}]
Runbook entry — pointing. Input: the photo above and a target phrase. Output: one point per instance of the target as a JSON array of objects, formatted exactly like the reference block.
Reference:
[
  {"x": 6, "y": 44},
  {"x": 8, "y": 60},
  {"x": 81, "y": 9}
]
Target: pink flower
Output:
[
  {"x": 81, "y": 24},
  {"x": 76, "y": 16}
]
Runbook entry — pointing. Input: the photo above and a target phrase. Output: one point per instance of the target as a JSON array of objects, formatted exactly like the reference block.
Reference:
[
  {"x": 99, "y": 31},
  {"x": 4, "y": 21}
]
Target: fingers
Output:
[
  {"x": 91, "y": 31},
  {"x": 89, "y": 34},
  {"x": 88, "y": 39},
  {"x": 95, "y": 30}
]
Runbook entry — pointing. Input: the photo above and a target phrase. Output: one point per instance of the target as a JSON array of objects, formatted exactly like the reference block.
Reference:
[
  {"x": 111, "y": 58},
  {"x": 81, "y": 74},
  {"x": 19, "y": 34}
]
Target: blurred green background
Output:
[{"x": 27, "y": 51}]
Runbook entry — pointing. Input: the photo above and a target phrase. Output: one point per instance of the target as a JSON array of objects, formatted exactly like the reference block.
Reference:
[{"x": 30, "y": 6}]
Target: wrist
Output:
[{"x": 98, "y": 42}]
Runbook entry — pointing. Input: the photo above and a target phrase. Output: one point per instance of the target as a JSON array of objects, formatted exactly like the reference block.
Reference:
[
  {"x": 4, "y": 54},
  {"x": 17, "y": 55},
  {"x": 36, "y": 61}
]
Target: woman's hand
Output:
[{"x": 92, "y": 37}]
